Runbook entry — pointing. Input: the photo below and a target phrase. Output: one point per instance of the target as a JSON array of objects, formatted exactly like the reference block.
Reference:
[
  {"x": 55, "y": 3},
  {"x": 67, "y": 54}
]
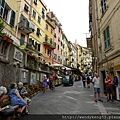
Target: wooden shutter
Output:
[{"x": 12, "y": 19}]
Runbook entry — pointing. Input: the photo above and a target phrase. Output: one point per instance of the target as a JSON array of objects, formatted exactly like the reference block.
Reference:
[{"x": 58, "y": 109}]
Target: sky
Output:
[{"x": 74, "y": 17}]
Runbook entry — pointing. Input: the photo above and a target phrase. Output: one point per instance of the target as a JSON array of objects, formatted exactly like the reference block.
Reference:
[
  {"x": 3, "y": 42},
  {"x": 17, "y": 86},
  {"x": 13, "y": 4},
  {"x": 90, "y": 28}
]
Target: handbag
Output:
[{"x": 7, "y": 112}]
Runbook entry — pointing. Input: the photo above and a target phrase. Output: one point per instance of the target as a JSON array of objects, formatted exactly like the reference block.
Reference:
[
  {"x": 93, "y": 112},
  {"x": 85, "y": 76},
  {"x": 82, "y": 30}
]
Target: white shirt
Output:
[{"x": 96, "y": 82}]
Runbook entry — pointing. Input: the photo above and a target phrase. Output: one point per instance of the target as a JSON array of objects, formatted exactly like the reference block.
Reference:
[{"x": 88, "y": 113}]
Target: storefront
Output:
[{"x": 118, "y": 86}]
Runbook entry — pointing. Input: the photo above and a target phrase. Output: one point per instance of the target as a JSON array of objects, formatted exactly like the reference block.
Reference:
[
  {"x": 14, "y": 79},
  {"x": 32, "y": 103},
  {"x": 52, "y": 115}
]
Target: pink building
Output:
[{"x": 57, "y": 38}]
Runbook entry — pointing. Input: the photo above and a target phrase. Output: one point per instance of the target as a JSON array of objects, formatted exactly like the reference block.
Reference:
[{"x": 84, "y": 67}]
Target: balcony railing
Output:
[
  {"x": 26, "y": 25},
  {"x": 49, "y": 43}
]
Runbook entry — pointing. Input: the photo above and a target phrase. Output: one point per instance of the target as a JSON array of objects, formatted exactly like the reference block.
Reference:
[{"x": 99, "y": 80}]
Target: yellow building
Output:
[
  {"x": 79, "y": 57},
  {"x": 38, "y": 17},
  {"x": 9, "y": 14},
  {"x": 107, "y": 13},
  {"x": 48, "y": 43}
]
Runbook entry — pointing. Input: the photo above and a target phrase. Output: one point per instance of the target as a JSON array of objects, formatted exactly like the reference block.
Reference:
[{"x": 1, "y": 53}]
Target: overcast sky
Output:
[{"x": 73, "y": 15}]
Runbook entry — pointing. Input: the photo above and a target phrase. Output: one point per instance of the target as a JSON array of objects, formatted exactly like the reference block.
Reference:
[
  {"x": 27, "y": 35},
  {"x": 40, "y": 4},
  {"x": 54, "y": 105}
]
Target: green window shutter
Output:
[
  {"x": 2, "y": 7},
  {"x": 50, "y": 40},
  {"x": 38, "y": 47},
  {"x": 38, "y": 32},
  {"x": 30, "y": 40},
  {"x": 46, "y": 38},
  {"x": 104, "y": 33},
  {"x": 108, "y": 36},
  {"x": 22, "y": 40},
  {"x": 12, "y": 20}
]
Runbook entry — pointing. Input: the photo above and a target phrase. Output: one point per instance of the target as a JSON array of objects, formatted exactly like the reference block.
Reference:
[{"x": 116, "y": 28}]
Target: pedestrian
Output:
[
  {"x": 84, "y": 81},
  {"x": 109, "y": 90},
  {"x": 53, "y": 81},
  {"x": 96, "y": 83},
  {"x": 88, "y": 81},
  {"x": 23, "y": 92},
  {"x": 44, "y": 83}
]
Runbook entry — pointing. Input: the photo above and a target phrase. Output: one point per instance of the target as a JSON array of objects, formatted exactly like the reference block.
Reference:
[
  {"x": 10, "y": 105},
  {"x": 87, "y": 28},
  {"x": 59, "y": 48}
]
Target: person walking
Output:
[
  {"x": 53, "y": 81},
  {"x": 109, "y": 90},
  {"x": 84, "y": 81},
  {"x": 88, "y": 81},
  {"x": 44, "y": 83},
  {"x": 96, "y": 83}
]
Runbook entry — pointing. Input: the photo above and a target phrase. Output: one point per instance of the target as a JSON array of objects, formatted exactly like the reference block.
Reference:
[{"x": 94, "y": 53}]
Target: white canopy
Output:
[{"x": 56, "y": 65}]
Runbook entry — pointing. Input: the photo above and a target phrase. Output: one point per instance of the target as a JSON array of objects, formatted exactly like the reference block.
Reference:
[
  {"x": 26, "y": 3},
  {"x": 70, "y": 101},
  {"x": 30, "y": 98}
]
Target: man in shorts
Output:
[
  {"x": 109, "y": 90},
  {"x": 96, "y": 83}
]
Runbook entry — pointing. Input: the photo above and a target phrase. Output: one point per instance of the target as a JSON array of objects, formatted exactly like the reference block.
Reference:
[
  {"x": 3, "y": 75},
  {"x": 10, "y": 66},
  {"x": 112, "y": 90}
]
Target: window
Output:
[
  {"x": 62, "y": 37},
  {"x": 26, "y": 8},
  {"x": 61, "y": 44},
  {"x": 59, "y": 58},
  {"x": 2, "y": 7},
  {"x": 34, "y": 14},
  {"x": 38, "y": 32},
  {"x": 38, "y": 47},
  {"x": 106, "y": 38},
  {"x": 51, "y": 31},
  {"x": 22, "y": 40},
  {"x": 58, "y": 39},
  {"x": 12, "y": 19},
  {"x": 35, "y": 2},
  {"x": 49, "y": 52},
  {"x": 39, "y": 19},
  {"x": 55, "y": 35},
  {"x": 46, "y": 26},
  {"x": 43, "y": 13},
  {"x": 55, "y": 57},
  {"x": 59, "y": 30},
  {"x": 46, "y": 37},
  {"x": 58, "y": 47},
  {"x": 103, "y": 6}
]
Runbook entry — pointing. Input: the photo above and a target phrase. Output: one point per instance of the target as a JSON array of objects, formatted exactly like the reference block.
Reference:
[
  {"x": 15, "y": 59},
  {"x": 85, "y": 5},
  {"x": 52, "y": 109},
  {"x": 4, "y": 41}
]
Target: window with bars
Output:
[{"x": 106, "y": 38}]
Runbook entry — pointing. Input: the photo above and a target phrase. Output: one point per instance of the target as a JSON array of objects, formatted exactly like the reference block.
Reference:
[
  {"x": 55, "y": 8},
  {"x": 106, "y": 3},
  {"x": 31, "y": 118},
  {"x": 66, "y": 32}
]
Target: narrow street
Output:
[{"x": 71, "y": 100}]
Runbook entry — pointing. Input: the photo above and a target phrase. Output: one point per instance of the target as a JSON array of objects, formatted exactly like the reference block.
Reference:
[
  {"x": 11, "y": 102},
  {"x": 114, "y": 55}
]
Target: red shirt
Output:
[{"x": 109, "y": 83}]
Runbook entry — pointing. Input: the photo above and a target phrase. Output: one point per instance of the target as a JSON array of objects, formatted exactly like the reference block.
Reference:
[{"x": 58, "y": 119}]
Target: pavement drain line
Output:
[
  {"x": 110, "y": 108},
  {"x": 101, "y": 108},
  {"x": 71, "y": 98}
]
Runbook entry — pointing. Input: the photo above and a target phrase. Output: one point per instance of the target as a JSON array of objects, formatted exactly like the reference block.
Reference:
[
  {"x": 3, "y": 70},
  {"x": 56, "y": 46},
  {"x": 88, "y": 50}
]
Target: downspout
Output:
[{"x": 19, "y": 14}]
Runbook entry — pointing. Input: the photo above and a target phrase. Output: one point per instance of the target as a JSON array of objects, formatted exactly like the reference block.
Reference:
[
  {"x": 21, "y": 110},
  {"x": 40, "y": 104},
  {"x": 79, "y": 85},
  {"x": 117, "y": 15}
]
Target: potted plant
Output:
[{"x": 4, "y": 35}]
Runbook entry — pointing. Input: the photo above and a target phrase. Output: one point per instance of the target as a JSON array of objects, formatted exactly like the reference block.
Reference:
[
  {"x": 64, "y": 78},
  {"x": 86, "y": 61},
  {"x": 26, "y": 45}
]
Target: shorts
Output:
[
  {"x": 53, "y": 84},
  {"x": 96, "y": 90},
  {"x": 109, "y": 89}
]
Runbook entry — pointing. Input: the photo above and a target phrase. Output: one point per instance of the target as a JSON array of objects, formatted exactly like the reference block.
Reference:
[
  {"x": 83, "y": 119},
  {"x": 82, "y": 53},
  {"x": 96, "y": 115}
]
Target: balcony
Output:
[
  {"x": 49, "y": 43},
  {"x": 26, "y": 25}
]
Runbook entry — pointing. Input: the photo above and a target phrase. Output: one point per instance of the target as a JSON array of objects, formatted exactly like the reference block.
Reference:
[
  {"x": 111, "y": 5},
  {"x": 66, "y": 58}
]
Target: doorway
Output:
[{"x": 118, "y": 87}]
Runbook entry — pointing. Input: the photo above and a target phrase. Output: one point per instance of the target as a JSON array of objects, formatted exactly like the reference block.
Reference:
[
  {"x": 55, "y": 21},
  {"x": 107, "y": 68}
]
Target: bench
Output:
[{"x": 5, "y": 101}]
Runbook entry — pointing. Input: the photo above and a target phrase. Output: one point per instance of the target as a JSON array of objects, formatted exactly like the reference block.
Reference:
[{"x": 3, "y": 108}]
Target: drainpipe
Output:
[{"x": 19, "y": 14}]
